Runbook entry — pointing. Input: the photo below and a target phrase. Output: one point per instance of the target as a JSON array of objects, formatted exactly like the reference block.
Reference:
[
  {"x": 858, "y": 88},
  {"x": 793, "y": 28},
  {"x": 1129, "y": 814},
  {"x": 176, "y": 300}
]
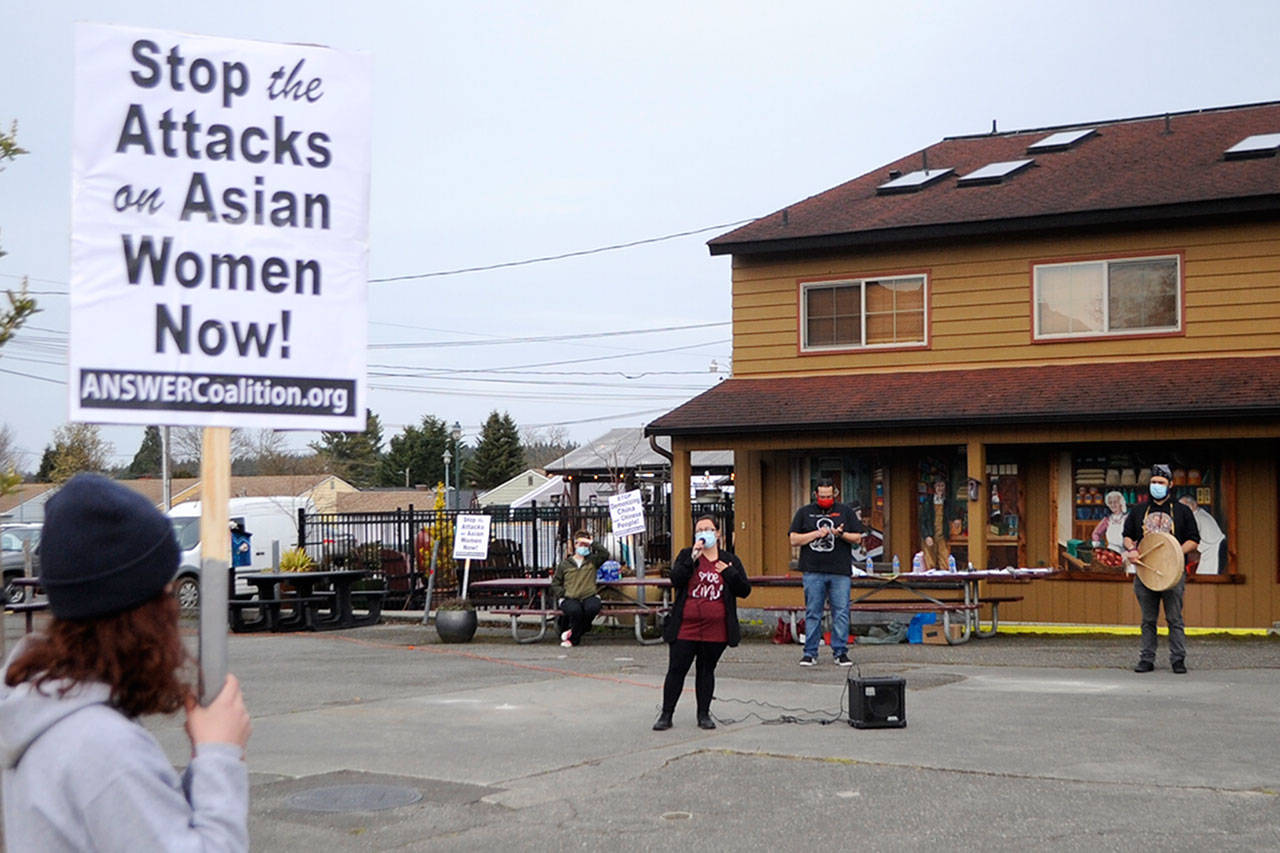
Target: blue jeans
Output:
[{"x": 820, "y": 588}]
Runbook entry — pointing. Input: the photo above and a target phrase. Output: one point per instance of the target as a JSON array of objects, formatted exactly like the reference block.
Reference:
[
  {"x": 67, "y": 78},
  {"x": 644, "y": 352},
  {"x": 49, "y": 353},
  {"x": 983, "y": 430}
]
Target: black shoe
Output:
[
  {"x": 705, "y": 721},
  {"x": 663, "y": 722},
  {"x": 1178, "y": 667},
  {"x": 1144, "y": 666}
]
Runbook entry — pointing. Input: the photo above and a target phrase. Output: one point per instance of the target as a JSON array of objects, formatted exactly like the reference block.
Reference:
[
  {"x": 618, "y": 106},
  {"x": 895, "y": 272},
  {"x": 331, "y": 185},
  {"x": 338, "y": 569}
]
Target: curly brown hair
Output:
[{"x": 138, "y": 653}]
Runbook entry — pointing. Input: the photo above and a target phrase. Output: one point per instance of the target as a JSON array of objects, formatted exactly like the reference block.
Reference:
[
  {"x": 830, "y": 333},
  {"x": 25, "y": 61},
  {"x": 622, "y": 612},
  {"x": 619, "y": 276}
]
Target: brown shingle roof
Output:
[
  {"x": 1217, "y": 388},
  {"x": 1131, "y": 170},
  {"x": 386, "y": 501},
  {"x": 23, "y": 493}
]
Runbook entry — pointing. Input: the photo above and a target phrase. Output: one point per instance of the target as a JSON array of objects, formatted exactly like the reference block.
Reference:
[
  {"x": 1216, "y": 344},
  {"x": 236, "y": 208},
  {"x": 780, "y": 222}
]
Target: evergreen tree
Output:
[
  {"x": 418, "y": 449},
  {"x": 147, "y": 462},
  {"x": 498, "y": 456},
  {"x": 45, "y": 473},
  {"x": 353, "y": 456}
]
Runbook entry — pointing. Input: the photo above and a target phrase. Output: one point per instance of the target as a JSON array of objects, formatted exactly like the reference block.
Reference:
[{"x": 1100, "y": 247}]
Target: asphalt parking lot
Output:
[{"x": 382, "y": 738}]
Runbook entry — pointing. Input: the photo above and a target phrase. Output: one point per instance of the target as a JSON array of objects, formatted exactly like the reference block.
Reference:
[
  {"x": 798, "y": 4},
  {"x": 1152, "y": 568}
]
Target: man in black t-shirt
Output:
[
  {"x": 825, "y": 532},
  {"x": 1164, "y": 514}
]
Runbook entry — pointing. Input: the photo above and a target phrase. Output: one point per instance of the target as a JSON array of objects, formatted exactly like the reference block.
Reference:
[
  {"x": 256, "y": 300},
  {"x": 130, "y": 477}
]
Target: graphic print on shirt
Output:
[
  {"x": 1157, "y": 522},
  {"x": 708, "y": 586},
  {"x": 826, "y": 542}
]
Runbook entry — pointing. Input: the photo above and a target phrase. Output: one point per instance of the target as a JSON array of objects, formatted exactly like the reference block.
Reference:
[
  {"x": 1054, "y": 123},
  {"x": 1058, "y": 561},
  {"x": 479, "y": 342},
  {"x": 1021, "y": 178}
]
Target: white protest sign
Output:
[
  {"x": 219, "y": 243},
  {"x": 626, "y": 511},
  {"x": 471, "y": 537}
]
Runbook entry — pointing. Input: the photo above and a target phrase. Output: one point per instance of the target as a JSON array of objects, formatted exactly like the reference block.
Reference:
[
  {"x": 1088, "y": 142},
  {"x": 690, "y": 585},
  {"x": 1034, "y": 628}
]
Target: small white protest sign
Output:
[
  {"x": 471, "y": 537},
  {"x": 626, "y": 511},
  {"x": 219, "y": 231}
]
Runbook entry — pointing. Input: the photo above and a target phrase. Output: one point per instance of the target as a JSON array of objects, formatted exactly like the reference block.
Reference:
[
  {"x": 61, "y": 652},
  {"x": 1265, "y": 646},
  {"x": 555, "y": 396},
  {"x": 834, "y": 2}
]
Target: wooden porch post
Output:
[
  {"x": 681, "y": 510},
  {"x": 976, "y": 455}
]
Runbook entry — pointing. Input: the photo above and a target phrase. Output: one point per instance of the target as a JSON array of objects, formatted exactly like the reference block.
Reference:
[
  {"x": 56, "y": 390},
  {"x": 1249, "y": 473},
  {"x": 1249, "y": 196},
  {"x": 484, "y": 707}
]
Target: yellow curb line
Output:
[{"x": 1119, "y": 630}]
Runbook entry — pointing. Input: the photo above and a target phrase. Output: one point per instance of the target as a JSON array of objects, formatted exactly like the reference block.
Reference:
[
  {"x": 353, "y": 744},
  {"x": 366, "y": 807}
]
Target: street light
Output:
[
  {"x": 447, "y": 457},
  {"x": 455, "y": 432}
]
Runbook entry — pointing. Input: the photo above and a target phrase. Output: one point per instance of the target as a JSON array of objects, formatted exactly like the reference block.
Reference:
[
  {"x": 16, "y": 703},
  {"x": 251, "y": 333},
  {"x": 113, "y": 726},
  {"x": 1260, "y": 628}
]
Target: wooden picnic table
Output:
[
  {"x": 918, "y": 595},
  {"x": 311, "y": 601}
]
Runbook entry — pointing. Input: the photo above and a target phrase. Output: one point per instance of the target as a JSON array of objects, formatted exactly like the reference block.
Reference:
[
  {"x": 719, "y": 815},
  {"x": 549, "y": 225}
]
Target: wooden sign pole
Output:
[
  {"x": 466, "y": 576},
  {"x": 215, "y": 558}
]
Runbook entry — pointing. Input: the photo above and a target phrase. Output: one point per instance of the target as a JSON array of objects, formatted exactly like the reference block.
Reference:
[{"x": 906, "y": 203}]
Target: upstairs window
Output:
[
  {"x": 1099, "y": 298},
  {"x": 879, "y": 312}
]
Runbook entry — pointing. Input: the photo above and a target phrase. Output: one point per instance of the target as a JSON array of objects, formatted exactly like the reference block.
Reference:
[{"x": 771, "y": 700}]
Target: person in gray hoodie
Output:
[{"x": 79, "y": 772}]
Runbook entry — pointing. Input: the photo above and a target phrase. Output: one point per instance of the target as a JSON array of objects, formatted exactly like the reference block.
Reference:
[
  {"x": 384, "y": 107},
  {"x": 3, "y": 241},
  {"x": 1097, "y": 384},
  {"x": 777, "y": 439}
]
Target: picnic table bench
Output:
[{"x": 534, "y": 591}]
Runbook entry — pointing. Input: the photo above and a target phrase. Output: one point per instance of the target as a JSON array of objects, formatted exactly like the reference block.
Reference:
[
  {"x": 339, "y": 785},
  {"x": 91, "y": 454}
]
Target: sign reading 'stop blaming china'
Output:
[{"x": 219, "y": 257}]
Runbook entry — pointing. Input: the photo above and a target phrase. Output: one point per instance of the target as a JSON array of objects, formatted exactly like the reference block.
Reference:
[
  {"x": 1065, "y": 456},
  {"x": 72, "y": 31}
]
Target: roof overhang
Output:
[
  {"x": 1252, "y": 207},
  {"x": 1173, "y": 390}
]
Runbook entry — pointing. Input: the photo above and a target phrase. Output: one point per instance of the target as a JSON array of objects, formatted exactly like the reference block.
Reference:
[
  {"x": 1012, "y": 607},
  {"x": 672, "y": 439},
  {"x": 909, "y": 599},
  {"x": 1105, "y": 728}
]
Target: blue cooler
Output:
[{"x": 915, "y": 630}]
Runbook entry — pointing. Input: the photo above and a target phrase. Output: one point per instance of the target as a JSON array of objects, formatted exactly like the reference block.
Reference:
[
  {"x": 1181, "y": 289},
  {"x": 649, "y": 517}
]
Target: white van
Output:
[{"x": 267, "y": 520}]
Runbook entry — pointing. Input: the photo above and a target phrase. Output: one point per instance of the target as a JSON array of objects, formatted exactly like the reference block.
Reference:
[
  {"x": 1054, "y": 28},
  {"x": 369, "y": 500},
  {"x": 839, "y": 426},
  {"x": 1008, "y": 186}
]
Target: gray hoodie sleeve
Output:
[{"x": 144, "y": 805}]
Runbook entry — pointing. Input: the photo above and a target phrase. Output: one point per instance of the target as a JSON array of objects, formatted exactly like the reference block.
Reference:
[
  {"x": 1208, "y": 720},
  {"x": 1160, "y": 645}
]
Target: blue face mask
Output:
[
  {"x": 707, "y": 538},
  {"x": 1159, "y": 491},
  {"x": 582, "y": 550}
]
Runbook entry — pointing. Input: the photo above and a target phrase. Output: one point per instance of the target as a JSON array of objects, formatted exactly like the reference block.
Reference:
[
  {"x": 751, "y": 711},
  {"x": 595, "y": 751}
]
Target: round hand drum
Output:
[{"x": 1160, "y": 562}]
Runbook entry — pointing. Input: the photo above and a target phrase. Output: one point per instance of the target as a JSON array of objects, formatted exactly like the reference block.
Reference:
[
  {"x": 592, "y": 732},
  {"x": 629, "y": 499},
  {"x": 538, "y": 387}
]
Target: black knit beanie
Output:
[{"x": 104, "y": 549}]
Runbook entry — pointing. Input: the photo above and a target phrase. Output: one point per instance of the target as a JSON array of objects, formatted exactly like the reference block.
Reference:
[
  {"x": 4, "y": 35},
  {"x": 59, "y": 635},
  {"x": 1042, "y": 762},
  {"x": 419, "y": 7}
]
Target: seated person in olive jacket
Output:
[{"x": 573, "y": 588}]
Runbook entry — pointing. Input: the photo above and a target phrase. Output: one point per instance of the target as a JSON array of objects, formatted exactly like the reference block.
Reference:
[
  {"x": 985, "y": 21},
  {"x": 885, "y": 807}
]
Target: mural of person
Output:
[
  {"x": 1213, "y": 542},
  {"x": 1110, "y": 531},
  {"x": 935, "y": 526}
]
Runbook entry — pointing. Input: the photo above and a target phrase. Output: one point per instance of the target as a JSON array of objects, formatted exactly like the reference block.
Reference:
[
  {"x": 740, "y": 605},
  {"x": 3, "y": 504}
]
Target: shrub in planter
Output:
[
  {"x": 455, "y": 620},
  {"x": 296, "y": 560}
]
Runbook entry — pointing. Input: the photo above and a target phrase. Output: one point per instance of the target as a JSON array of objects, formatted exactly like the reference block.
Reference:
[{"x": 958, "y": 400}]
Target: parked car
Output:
[{"x": 13, "y": 538}]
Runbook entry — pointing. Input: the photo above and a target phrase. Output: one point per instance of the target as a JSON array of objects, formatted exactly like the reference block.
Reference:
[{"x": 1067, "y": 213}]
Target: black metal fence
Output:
[{"x": 524, "y": 542}]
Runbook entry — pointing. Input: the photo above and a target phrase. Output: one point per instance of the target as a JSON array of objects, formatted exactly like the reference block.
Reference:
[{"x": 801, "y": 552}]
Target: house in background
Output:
[
  {"x": 523, "y": 489},
  {"x": 623, "y": 459},
  {"x": 25, "y": 504},
  {"x": 1031, "y": 318}
]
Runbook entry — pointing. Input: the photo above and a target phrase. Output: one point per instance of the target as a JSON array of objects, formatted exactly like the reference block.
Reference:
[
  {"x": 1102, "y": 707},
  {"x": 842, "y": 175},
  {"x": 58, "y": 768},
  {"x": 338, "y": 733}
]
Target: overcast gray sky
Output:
[{"x": 512, "y": 130}]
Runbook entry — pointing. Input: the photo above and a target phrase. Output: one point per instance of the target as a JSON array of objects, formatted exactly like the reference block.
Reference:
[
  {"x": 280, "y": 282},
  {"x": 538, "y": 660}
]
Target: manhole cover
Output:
[{"x": 354, "y": 798}]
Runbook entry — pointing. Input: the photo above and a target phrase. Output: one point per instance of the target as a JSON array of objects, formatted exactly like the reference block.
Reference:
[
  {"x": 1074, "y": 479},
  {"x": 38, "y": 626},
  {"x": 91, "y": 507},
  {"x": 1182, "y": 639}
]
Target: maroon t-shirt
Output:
[{"x": 703, "y": 618}]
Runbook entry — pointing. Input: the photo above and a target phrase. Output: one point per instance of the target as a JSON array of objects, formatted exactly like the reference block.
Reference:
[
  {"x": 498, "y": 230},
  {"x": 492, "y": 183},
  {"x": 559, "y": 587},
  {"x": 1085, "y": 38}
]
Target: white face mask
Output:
[{"x": 706, "y": 537}]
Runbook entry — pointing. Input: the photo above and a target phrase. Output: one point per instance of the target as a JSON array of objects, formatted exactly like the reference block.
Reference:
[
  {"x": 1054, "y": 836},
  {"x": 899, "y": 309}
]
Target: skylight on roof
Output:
[
  {"x": 1258, "y": 145},
  {"x": 913, "y": 181},
  {"x": 994, "y": 173},
  {"x": 1061, "y": 141}
]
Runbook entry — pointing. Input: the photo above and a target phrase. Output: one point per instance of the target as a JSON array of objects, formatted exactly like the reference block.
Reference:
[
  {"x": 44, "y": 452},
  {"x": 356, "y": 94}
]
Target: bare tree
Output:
[{"x": 544, "y": 445}]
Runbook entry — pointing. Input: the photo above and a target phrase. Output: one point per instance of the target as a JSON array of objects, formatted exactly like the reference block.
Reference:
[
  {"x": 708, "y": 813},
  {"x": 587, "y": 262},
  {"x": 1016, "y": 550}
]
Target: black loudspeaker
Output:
[{"x": 877, "y": 703}]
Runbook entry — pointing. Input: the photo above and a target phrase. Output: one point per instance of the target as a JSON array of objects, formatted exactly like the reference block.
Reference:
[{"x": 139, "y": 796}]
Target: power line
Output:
[
  {"x": 430, "y": 372},
  {"x": 573, "y": 336},
  {"x": 438, "y": 273},
  {"x": 33, "y": 376},
  {"x": 559, "y": 257}
]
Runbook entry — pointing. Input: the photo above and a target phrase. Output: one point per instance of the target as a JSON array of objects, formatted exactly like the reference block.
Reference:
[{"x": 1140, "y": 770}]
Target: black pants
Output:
[
  {"x": 681, "y": 655},
  {"x": 576, "y": 615}
]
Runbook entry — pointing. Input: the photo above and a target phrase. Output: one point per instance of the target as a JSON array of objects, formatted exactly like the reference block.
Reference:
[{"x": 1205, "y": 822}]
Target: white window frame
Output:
[
  {"x": 1106, "y": 331},
  {"x": 861, "y": 284}
]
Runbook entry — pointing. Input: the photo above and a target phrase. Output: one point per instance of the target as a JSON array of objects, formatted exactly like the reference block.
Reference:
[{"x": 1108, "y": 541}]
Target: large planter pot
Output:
[{"x": 456, "y": 626}]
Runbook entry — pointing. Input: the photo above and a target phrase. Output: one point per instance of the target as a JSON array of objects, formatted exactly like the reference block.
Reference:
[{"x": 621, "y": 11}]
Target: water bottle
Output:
[
  {"x": 917, "y": 562},
  {"x": 951, "y": 562},
  {"x": 871, "y": 567},
  {"x": 897, "y": 565}
]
